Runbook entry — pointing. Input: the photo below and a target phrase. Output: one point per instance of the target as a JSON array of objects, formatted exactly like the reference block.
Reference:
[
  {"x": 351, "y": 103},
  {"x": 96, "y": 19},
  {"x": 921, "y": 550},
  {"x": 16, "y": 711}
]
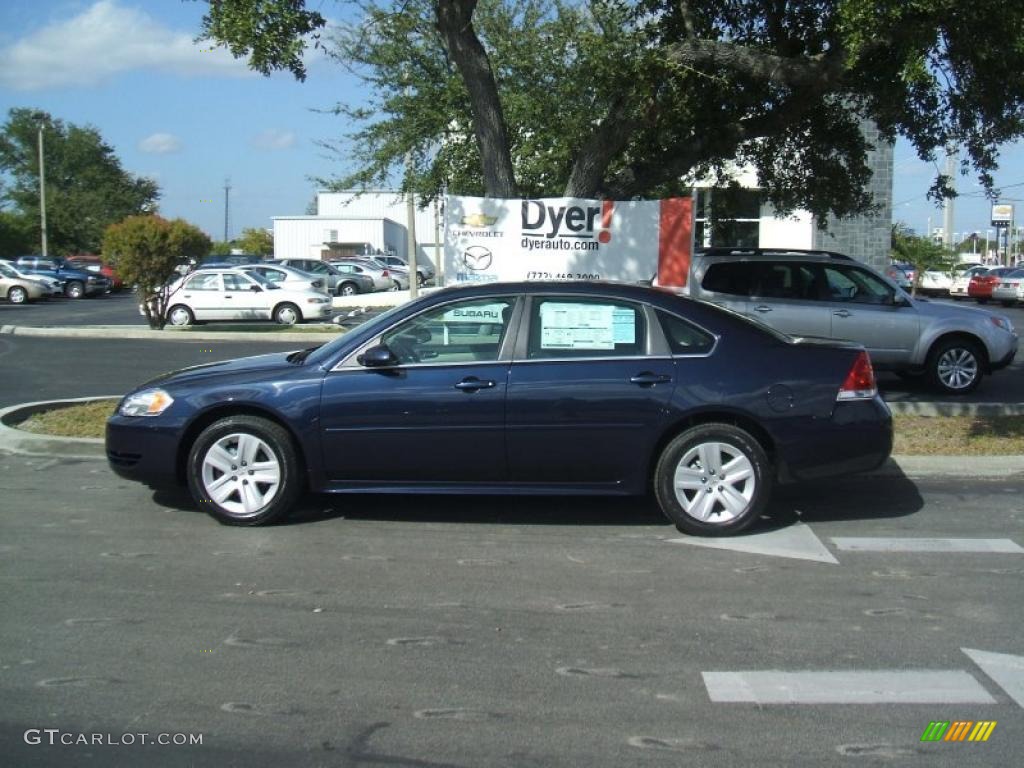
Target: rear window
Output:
[{"x": 730, "y": 277}]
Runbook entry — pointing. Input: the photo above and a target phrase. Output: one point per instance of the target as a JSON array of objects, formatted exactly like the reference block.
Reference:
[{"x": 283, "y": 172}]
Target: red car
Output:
[
  {"x": 94, "y": 264},
  {"x": 981, "y": 286}
]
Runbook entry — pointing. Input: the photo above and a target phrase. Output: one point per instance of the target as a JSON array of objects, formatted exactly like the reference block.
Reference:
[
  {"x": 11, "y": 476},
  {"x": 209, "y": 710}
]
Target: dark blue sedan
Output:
[{"x": 525, "y": 388}]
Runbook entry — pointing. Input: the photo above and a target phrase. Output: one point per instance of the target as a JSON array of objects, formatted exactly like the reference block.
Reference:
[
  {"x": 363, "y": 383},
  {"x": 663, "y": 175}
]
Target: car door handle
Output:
[
  {"x": 647, "y": 379},
  {"x": 842, "y": 313},
  {"x": 762, "y": 308},
  {"x": 472, "y": 384}
]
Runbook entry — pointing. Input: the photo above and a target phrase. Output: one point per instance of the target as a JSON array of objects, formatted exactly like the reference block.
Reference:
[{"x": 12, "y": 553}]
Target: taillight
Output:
[
  {"x": 386, "y": 274},
  {"x": 860, "y": 381}
]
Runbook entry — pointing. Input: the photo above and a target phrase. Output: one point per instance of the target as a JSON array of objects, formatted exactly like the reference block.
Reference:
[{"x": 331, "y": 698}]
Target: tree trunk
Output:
[{"x": 455, "y": 23}]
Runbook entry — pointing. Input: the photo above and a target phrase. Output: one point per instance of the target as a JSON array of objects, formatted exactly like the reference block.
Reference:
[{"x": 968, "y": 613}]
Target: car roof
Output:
[{"x": 769, "y": 253}]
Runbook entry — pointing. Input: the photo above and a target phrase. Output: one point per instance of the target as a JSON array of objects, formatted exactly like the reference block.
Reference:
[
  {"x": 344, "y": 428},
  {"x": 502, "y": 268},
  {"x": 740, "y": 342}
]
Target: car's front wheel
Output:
[
  {"x": 347, "y": 289},
  {"x": 287, "y": 314},
  {"x": 713, "y": 480},
  {"x": 955, "y": 367},
  {"x": 17, "y": 295},
  {"x": 180, "y": 316},
  {"x": 74, "y": 290},
  {"x": 245, "y": 470}
]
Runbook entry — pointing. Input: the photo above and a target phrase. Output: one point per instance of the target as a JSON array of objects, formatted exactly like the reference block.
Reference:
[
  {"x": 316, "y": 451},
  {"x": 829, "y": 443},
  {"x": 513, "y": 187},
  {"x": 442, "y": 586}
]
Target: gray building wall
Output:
[{"x": 866, "y": 238}]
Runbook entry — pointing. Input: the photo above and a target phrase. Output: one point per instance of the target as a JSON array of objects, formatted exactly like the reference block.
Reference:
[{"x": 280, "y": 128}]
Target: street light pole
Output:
[{"x": 40, "y": 118}]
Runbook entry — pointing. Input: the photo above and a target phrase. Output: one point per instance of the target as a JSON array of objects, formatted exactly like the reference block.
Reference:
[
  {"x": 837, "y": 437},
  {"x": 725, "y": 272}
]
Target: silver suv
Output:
[{"x": 820, "y": 293}]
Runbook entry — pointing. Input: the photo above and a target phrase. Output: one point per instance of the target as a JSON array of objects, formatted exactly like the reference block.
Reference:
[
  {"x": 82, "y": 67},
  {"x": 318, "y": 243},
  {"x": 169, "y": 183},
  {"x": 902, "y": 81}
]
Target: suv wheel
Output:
[
  {"x": 954, "y": 366},
  {"x": 713, "y": 480},
  {"x": 74, "y": 290}
]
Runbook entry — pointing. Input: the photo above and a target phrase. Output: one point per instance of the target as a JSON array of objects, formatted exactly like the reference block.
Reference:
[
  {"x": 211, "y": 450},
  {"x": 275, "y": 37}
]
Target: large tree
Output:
[
  {"x": 86, "y": 187},
  {"x": 610, "y": 98}
]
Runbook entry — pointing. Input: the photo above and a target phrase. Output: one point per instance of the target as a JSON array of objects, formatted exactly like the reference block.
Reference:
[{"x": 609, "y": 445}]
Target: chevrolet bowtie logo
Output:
[{"x": 478, "y": 220}]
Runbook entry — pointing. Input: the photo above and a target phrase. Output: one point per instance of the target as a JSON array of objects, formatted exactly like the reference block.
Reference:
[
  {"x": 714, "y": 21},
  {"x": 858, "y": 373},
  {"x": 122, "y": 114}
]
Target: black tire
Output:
[
  {"x": 735, "y": 509},
  {"x": 396, "y": 286},
  {"x": 17, "y": 295},
  {"x": 983, "y": 301},
  {"x": 287, "y": 314},
  {"x": 1008, "y": 303},
  {"x": 74, "y": 289},
  {"x": 180, "y": 316},
  {"x": 275, "y": 444},
  {"x": 420, "y": 279},
  {"x": 955, "y": 366},
  {"x": 347, "y": 289}
]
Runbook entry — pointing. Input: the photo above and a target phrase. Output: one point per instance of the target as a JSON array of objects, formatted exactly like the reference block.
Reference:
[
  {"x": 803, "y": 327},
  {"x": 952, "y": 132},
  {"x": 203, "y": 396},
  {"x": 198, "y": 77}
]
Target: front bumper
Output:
[{"x": 144, "y": 449}]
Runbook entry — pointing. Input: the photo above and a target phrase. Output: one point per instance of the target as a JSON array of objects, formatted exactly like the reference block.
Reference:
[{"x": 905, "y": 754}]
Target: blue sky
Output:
[{"x": 189, "y": 116}]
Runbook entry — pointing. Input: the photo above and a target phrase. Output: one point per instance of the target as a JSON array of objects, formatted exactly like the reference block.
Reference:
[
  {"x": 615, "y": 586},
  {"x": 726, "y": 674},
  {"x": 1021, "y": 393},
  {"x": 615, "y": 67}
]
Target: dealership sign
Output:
[
  {"x": 490, "y": 240},
  {"x": 1002, "y": 215}
]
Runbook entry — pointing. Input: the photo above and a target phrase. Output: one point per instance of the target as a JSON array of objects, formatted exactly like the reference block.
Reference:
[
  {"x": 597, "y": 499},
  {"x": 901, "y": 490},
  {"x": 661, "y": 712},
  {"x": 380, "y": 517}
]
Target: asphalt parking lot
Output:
[{"x": 446, "y": 632}]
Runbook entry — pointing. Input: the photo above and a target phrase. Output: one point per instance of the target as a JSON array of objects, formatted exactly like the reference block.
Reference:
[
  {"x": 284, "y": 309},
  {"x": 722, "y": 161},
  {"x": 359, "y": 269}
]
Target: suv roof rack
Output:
[{"x": 721, "y": 250}]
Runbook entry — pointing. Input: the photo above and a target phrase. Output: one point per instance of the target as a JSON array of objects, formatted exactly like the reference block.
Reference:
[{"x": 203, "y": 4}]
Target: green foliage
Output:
[
  {"x": 256, "y": 241},
  {"x": 17, "y": 235},
  {"x": 86, "y": 187},
  {"x": 221, "y": 247},
  {"x": 922, "y": 253},
  {"x": 145, "y": 251},
  {"x": 640, "y": 99}
]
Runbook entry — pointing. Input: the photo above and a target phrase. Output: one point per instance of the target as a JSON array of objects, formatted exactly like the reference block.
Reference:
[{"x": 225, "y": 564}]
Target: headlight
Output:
[
  {"x": 316, "y": 301},
  {"x": 149, "y": 402},
  {"x": 1002, "y": 322}
]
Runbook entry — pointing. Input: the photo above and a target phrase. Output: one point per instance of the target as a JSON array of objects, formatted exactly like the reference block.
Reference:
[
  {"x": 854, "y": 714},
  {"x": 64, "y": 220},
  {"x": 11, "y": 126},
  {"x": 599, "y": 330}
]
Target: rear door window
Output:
[
  {"x": 734, "y": 278},
  {"x": 582, "y": 327},
  {"x": 858, "y": 286}
]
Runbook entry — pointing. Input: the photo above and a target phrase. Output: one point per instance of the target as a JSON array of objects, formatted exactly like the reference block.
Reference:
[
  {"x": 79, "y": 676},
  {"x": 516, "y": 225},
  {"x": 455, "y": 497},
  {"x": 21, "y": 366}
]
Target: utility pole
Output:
[
  {"x": 947, "y": 210},
  {"x": 410, "y": 229},
  {"x": 227, "y": 208},
  {"x": 40, "y": 118}
]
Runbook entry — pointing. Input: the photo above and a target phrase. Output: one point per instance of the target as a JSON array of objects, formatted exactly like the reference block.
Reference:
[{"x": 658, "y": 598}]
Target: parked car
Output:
[
  {"x": 286, "y": 277},
  {"x": 231, "y": 259},
  {"x": 399, "y": 277},
  {"x": 338, "y": 282},
  {"x": 51, "y": 285},
  {"x": 231, "y": 294},
  {"x": 898, "y": 276},
  {"x": 935, "y": 282},
  {"x": 424, "y": 269},
  {"x": 380, "y": 277},
  {"x": 1010, "y": 288},
  {"x": 818, "y": 293},
  {"x": 92, "y": 263},
  {"x": 77, "y": 282},
  {"x": 18, "y": 289},
  {"x": 506, "y": 388},
  {"x": 980, "y": 287},
  {"x": 958, "y": 290}
]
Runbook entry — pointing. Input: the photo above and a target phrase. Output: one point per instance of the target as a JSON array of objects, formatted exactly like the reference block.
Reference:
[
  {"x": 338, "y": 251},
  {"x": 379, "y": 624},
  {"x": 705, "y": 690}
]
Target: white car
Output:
[
  {"x": 231, "y": 294},
  {"x": 962, "y": 279},
  {"x": 1010, "y": 288},
  {"x": 935, "y": 282}
]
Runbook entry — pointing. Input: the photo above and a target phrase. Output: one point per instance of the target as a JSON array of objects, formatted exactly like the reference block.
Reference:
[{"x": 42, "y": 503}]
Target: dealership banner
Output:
[{"x": 563, "y": 238}]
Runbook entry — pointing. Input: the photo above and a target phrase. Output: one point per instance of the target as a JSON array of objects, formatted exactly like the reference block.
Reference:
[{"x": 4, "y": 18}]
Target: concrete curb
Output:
[
  {"x": 131, "y": 332},
  {"x": 28, "y": 444},
  {"x": 955, "y": 409}
]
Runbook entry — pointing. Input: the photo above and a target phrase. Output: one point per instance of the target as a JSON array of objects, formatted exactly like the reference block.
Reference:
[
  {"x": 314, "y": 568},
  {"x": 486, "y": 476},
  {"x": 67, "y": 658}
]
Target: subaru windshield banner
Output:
[{"x": 564, "y": 238}]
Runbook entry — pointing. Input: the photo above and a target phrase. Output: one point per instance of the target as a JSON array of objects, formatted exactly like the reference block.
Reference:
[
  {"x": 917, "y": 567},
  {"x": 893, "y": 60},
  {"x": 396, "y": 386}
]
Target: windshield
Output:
[{"x": 381, "y": 321}]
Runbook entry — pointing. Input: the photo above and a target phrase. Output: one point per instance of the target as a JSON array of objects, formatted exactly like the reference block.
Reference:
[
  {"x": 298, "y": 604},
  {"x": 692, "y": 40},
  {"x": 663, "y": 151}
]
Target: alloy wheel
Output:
[
  {"x": 714, "y": 482},
  {"x": 241, "y": 473}
]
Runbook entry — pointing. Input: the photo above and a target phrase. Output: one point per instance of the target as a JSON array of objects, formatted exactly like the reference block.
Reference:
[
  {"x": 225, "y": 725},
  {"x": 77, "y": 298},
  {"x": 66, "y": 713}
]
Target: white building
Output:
[{"x": 349, "y": 223}]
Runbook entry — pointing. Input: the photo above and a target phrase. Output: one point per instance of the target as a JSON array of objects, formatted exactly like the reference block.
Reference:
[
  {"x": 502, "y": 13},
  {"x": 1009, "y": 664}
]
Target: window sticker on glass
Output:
[
  {"x": 624, "y": 325},
  {"x": 577, "y": 326},
  {"x": 476, "y": 313}
]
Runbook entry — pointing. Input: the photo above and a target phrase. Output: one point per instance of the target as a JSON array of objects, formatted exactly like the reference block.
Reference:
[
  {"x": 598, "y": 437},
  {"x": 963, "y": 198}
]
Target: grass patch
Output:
[
  {"x": 915, "y": 435},
  {"x": 80, "y": 420},
  {"x": 958, "y": 435}
]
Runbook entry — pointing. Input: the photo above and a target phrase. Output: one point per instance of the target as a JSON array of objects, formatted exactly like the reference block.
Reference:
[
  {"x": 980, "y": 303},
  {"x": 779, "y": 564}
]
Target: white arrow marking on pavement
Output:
[
  {"x": 883, "y": 544},
  {"x": 887, "y": 686},
  {"x": 797, "y": 541},
  {"x": 1006, "y": 670}
]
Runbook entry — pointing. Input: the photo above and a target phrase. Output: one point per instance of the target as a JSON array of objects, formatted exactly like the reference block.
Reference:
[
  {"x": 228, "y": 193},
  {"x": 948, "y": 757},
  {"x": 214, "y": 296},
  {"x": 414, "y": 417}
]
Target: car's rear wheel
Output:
[
  {"x": 713, "y": 480},
  {"x": 287, "y": 314},
  {"x": 420, "y": 279},
  {"x": 955, "y": 366},
  {"x": 74, "y": 290},
  {"x": 180, "y": 316},
  {"x": 17, "y": 295},
  {"x": 347, "y": 289},
  {"x": 245, "y": 470},
  {"x": 395, "y": 285}
]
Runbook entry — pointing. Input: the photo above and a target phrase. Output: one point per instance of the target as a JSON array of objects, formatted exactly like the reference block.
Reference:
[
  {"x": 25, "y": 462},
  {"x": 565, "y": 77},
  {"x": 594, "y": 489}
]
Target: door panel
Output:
[{"x": 862, "y": 309}]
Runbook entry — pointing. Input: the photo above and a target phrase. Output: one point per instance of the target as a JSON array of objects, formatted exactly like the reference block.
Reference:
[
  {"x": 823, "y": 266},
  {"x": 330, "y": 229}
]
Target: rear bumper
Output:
[{"x": 856, "y": 438}]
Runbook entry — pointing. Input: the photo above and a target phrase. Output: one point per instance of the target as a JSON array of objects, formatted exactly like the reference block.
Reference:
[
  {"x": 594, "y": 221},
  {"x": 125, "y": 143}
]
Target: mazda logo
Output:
[{"x": 477, "y": 258}]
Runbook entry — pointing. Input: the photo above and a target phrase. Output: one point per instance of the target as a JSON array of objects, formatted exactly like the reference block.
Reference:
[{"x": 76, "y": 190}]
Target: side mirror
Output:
[
  {"x": 377, "y": 357},
  {"x": 255, "y": 288},
  {"x": 900, "y": 300}
]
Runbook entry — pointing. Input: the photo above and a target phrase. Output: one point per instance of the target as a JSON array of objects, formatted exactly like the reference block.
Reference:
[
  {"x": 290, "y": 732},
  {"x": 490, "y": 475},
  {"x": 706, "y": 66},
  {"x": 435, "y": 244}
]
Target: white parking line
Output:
[
  {"x": 887, "y": 686},
  {"x": 797, "y": 541},
  {"x": 884, "y": 544},
  {"x": 1005, "y": 669}
]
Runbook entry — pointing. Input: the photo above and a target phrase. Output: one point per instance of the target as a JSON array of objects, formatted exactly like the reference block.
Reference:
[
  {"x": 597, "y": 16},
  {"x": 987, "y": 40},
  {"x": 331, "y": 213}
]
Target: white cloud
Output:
[
  {"x": 274, "y": 139},
  {"x": 105, "y": 40},
  {"x": 160, "y": 144}
]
